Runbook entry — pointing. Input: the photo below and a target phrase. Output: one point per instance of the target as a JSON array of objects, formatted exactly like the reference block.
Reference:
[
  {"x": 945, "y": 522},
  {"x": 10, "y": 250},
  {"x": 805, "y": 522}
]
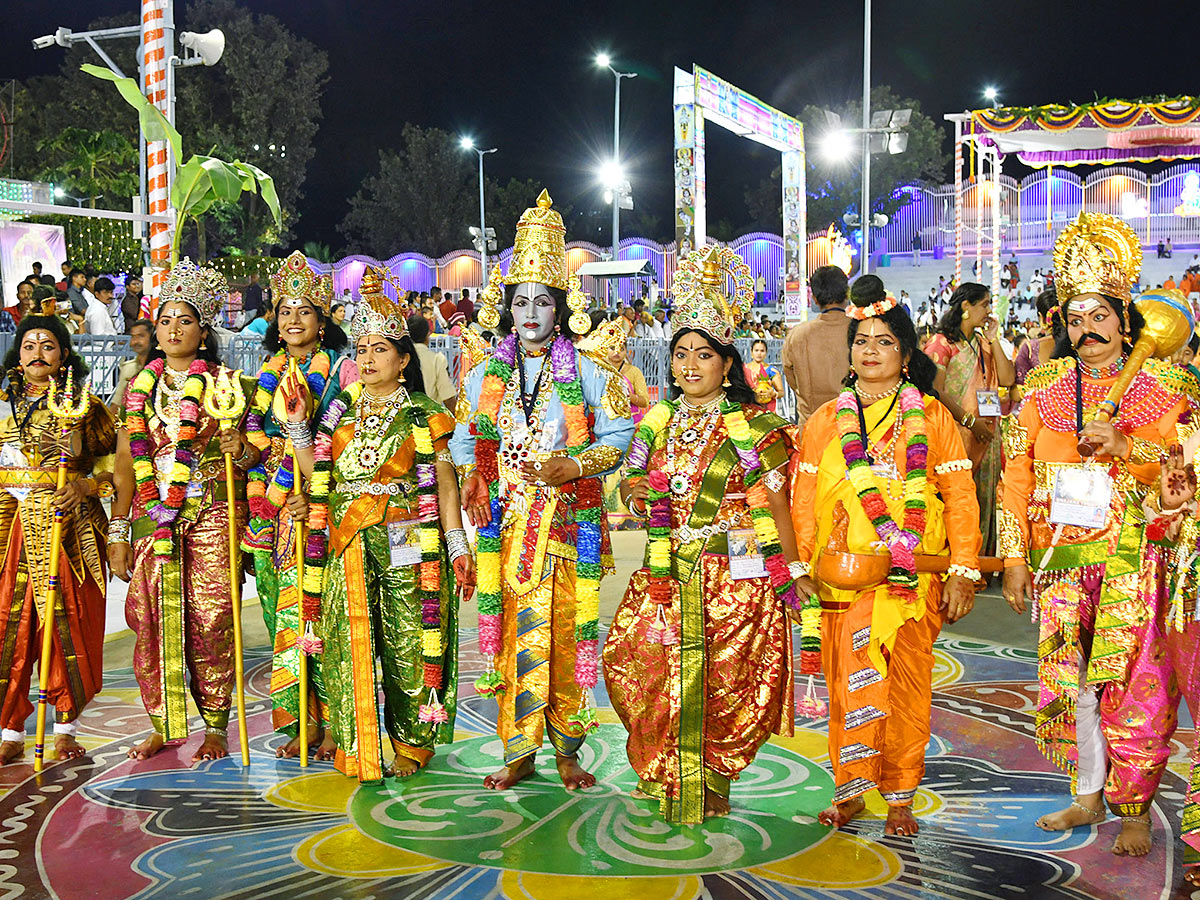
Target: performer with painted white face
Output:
[{"x": 538, "y": 423}]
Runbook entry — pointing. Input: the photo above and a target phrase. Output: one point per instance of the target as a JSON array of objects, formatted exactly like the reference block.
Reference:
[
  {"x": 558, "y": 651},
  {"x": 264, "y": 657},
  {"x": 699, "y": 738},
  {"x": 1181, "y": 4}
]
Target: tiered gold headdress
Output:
[
  {"x": 700, "y": 299},
  {"x": 539, "y": 252},
  {"x": 490, "y": 299},
  {"x": 377, "y": 312},
  {"x": 1096, "y": 254},
  {"x": 204, "y": 288},
  {"x": 296, "y": 280},
  {"x": 604, "y": 340}
]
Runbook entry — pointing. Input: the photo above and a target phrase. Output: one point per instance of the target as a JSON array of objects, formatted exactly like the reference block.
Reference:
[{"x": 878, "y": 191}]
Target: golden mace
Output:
[
  {"x": 67, "y": 411},
  {"x": 225, "y": 402}
]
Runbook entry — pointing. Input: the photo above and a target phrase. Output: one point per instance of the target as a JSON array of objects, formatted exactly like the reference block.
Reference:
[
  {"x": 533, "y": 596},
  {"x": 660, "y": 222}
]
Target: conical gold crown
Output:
[{"x": 540, "y": 251}]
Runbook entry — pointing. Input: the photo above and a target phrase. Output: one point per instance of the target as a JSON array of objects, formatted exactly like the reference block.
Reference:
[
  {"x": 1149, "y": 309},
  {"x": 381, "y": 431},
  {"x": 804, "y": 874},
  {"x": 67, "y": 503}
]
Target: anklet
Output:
[
  {"x": 1094, "y": 813},
  {"x": 216, "y": 732}
]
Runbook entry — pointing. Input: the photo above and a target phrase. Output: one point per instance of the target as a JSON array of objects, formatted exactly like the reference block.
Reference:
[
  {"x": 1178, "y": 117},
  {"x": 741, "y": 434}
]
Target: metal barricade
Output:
[{"x": 103, "y": 353}]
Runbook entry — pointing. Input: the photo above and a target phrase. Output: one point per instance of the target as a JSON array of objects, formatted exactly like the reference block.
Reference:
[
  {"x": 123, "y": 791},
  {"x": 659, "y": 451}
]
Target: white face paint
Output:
[{"x": 533, "y": 314}]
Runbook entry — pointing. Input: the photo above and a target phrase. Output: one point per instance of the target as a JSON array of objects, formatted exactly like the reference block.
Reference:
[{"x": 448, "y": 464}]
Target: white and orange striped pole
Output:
[
  {"x": 157, "y": 22},
  {"x": 958, "y": 199}
]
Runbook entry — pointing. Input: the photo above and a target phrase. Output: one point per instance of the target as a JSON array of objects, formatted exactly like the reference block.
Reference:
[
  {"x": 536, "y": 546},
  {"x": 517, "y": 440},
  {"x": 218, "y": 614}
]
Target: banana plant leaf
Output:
[
  {"x": 154, "y": 124},
  {"x": 254, "y": 177},
  {"x": 202, "y": 181}
]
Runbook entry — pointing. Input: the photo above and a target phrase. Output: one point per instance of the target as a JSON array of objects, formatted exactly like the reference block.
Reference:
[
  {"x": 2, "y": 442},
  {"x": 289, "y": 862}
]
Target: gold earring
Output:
[{"x": 726, "y": 382}]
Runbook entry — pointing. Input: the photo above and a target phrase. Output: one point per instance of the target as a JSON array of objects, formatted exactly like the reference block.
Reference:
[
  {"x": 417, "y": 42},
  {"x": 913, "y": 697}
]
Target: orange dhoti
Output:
[
  {"x": 879, "y": 721},
  {"x": 76, "y": 668}
]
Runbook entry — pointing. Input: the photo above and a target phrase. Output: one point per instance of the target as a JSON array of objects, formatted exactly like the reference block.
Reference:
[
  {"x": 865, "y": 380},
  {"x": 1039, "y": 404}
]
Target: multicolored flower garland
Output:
[
  {"x": 433, "y": 642},
  {"x": 583, "y": 493},
  {"x": 268, "y": 492},
  {"x": 164, "y": 511},
  {"x": 649, "y": 433},
  {"x": 902, "y": 542}
]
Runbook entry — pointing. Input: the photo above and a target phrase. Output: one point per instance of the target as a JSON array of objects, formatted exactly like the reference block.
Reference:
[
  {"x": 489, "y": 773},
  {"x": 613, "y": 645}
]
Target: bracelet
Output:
[
  {"x": 964, "y": 420},
  {"x": 119, "y": 529},
  {"x": 799, "y": 569},
  {"x": 456, "y": 543},
  {"x": 578, "y": 462},
  {"x": 300, "y": 435},
  {"x": 243, "y": 458},
  {"x": 644, "y": 514},
  {"x": 966, "y": 572}
]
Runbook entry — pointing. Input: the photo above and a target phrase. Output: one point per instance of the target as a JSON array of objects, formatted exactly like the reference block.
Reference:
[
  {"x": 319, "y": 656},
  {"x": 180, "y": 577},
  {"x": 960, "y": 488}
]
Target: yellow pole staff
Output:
[
  {"x": 67, "y": 413},
  {"x": 225, "y": 402},
  {"x": 302, "y": 655}
]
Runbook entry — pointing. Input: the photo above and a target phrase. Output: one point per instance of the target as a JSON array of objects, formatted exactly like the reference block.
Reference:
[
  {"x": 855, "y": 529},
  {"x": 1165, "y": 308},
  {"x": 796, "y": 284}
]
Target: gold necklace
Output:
[{"x": 872, "y": 398}]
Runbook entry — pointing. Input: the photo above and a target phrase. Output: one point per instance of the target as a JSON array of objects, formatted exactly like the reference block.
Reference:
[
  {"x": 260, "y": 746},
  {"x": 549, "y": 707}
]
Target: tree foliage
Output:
[
  {"x": 90, "y": 164},
  {"x": 266, "y": 90},
  {"x": 834, "y": 186}
]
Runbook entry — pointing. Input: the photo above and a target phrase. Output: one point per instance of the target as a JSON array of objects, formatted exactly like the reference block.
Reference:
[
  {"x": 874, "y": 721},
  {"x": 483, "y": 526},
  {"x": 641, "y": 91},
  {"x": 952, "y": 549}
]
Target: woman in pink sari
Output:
[{"x": 972, "y": 368}]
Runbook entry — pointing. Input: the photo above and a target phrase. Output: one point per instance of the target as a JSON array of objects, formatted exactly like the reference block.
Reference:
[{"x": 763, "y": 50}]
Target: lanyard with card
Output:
[
  {"x": 988, "y": 401},
  {"x": 404, "y": 543},
  {"x": 1080, "y": 495},
  {"x": 745, "y": 557}
]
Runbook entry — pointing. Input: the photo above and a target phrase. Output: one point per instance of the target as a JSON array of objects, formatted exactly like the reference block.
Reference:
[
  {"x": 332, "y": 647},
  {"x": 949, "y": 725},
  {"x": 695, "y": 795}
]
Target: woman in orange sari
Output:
[
  {"x": 972, "y": 368},
  {"x": 883, "y": 466}
]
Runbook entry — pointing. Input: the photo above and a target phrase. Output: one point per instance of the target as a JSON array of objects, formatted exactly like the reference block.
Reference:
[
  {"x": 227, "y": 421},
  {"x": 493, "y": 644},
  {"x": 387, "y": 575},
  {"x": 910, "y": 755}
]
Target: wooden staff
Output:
[
  {"x": 225, "y": 402},
  {"x": 68, "y": 413}
]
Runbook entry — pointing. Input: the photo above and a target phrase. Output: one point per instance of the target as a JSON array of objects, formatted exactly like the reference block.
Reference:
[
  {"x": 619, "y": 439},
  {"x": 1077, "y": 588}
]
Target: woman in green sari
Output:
[
  {"x": 972, "y": 367},
  {"x": 383, "y": 484}
]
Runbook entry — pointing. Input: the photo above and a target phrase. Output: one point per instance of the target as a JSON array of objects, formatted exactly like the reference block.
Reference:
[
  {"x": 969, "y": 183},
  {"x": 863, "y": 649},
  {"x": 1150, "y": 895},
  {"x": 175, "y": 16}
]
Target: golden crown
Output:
[
  {"x": 203, "y": 288},
  {"x": 1097, "y": 254},
  {"x": 296, "y": 280},
  {"x": 378, "y": 313},
  {"x": 539, "y": 252},
  {"x": 604, "y": 340},
  {"x": 700, "y": 298}
]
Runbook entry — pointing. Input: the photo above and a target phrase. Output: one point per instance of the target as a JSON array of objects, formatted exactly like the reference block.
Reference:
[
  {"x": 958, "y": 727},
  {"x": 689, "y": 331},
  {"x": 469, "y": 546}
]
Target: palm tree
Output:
[{"x": 92, "y": 163}]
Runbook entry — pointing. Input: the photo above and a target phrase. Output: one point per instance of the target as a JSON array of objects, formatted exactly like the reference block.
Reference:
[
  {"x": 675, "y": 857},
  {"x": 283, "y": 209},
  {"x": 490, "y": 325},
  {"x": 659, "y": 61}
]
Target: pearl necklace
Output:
[
  {"x": 687, "y": 408},
  {"x": 874, "y": 398}
]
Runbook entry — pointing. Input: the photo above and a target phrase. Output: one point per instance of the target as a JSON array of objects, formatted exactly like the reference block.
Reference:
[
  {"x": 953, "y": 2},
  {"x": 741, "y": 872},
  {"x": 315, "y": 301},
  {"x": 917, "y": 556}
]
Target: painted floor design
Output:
[{"x": 106, "y": 827}]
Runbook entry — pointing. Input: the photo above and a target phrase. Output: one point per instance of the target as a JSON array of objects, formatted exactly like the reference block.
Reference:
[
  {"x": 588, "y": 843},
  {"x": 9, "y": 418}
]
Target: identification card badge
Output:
[
  {"x": 745, "y": 558},
  {"x": 988, "y": 401},
  {"x": 1081, "y": 496},
  {"x": 404, "y": 544}
]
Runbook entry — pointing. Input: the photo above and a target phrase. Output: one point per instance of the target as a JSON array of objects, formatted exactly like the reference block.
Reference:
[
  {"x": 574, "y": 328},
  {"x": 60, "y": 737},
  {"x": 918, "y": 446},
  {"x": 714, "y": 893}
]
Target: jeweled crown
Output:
[
  {"x": 296, "y": 280},
  {"x": 539, "y": 252},
  {"x": 1097, "y": 254},
  {"x": 379, "y": 314},
  {"x": 700, "y": 298},
  {"x": 202, "y": 287}
]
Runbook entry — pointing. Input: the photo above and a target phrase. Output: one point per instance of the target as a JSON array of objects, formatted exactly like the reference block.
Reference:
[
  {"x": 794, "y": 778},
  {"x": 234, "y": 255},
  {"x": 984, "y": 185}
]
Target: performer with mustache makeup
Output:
[{"x": 1072, "y": 534}]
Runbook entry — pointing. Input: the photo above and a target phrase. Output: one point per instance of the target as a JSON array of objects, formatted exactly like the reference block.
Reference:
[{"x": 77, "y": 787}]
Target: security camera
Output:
[{"x": 46, "y": 40}]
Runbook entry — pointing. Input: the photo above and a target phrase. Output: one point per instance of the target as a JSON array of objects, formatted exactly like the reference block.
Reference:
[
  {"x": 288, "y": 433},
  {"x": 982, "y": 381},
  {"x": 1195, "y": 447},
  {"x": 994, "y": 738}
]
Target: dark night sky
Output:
[{"x": 519, "y": 76}]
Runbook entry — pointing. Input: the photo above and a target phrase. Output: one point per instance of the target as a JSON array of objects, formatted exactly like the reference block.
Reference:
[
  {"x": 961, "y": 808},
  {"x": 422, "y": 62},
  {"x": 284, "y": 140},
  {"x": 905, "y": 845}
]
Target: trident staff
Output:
[
  {"x": 68, "y": 412},
  {"x": 225, "y": 402}
]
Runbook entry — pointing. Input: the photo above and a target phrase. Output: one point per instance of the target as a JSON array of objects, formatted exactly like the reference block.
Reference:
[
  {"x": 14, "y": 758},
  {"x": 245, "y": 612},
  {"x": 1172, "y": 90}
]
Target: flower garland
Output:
[
  {"x": 650, "y": 432},
  {"x": 583, "y": 493},
  {"x": 164, "y": 511},
  {"x": 265, "y": 492},
  {"x": 902, "y": 542}
]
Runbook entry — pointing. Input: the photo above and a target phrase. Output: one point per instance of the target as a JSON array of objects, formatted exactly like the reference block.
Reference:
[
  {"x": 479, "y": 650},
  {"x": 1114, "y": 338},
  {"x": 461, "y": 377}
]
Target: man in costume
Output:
[
  {"x": 169, "y": 536},
  {"x": 1072, "y": 536},
  {"x": 538, "y": 423},
  {"x": 30, "y": 439}
]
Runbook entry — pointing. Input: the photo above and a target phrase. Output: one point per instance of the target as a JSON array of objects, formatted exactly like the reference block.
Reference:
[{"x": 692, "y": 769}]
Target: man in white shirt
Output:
[{"x": 96, "y": 318}]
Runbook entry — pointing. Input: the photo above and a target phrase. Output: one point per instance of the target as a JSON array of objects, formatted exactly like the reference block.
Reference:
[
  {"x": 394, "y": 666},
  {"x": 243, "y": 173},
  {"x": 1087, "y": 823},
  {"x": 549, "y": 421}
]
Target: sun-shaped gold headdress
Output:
[
  {"x": 296, "y": 280},
  {"x": 700, "y": 298},
  {"x": 203, "y": 288},
  {"x": 1097, "y": 254}
]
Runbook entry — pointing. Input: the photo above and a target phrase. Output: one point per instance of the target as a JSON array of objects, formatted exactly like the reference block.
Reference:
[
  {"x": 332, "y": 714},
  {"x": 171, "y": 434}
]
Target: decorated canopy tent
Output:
[{"x": 1105, "y": 132}]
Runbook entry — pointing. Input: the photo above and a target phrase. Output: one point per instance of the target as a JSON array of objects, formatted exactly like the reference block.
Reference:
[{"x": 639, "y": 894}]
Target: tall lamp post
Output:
[
  {"x": 469, "y": 144},
  {"x": 864, "y": 206},
  {"x": 604, "y": 61}
]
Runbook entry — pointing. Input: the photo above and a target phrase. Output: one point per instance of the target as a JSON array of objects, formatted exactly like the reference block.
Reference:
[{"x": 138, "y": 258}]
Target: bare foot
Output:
[
  {"x": 1135, "y": 838},
  {"x": 146, "y": 748},
  {"x": 10, "y": 750},
  {"x": 291, "y": 749},
  {"x": 66, "y": 747},
  {"x": 1191, "y": 877},
  {"x": 841, "y": 813},
  {"x": 715, "y": 805},
  {"x": 1089, "y": 811},
  {"x": 402, "y": 766},
  {"x": 901, "y": 822},
  {"x": 639, "y": 794},
  {"x": 572, "y": 774},
  {"x": 327, "y": 749},
  {"x": 215, "y": 746},
  {"x": 509, "y": 775}
]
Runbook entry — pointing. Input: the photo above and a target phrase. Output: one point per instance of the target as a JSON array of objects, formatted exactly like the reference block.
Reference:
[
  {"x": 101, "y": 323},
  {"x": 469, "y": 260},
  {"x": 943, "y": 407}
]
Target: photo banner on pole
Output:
[{"x": 21, "y": 245}]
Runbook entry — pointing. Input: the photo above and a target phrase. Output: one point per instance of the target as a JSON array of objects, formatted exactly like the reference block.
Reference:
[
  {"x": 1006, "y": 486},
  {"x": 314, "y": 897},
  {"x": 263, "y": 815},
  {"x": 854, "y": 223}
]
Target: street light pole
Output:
[
  {"x": 468, "y": 144},
  {"x": 864, "y": 212},
  {"x": 604, "y": 61}
]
